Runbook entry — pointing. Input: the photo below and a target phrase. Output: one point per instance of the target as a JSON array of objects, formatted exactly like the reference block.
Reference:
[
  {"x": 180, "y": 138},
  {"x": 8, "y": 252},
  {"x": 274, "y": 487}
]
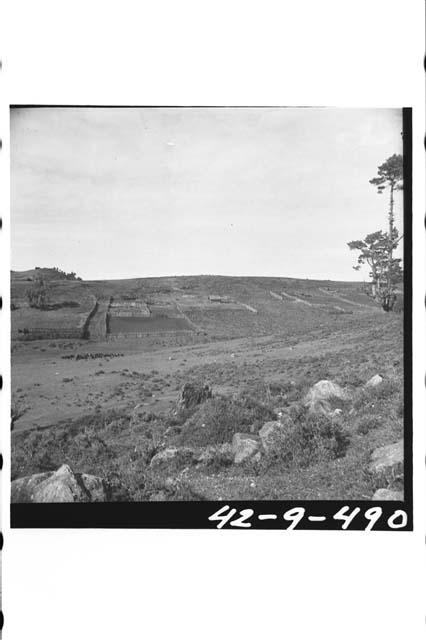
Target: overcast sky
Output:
[{"x": 116, "y": 193}]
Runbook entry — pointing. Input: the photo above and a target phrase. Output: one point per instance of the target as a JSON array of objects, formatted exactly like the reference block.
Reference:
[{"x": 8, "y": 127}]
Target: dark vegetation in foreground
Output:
[{"x": 317, "y": 457}]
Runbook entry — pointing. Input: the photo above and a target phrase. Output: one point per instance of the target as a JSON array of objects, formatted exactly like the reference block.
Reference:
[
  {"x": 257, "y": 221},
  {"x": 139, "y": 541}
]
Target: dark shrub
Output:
[
  {"x": 257, "y": 411},
  {"x": 308, "y": 439},
  {"x": 179, "y": 417},
  {"x": 78, "y": 443},
  {"x": 367, "y": 423},
  {"x": 219, "y": 418},
  {"x": 219, "y": 460},
  {"x": 368, "y": 397}
]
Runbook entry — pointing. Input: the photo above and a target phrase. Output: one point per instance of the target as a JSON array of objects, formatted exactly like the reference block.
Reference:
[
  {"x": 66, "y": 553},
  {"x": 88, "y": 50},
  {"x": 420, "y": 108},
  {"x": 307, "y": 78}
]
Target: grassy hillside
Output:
[
  {"x": 257, "y": 306},
  {"x": 108, "y": 404}
]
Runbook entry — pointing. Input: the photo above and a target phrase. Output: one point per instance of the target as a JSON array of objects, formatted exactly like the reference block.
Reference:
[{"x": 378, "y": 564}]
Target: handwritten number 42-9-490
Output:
[{"x": 226, "y": 515}]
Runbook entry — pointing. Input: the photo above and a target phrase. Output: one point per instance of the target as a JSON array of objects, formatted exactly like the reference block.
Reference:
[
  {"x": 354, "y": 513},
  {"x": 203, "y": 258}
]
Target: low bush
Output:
[
  {"x": 216, "y": 420},
  {"x": 367, "y": 423},
  {"x": 307, "y": 439},
  {"x": 370, "y": 396},
  {"x": 218, "y": 458},
  {"x": 47, "y": 449}
]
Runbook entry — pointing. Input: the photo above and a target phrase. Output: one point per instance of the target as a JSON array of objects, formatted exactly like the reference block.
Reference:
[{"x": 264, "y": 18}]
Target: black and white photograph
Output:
[
  {"x": 212, "y": 320},
  {"x": 207, "y": 304}
]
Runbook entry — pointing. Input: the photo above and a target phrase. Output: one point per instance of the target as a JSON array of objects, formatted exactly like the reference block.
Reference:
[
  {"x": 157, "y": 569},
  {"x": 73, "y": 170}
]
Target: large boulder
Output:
[
  {"x": 388, "y": 460},
  {"x": 388, "y": 494},
  {"x": 193, "y": 394},
  {"x": 244, "y": 446},
  {"x": 271, "y": 434},
  {"x": 62, "y": 485},
  {"x": 374, "y": 381},
  {"x": 322, "y": 395}
]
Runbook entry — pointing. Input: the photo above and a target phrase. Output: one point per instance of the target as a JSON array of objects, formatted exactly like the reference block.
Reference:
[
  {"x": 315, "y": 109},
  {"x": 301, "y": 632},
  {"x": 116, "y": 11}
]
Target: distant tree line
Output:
[
  {"x": 38, "y": 294},
  {"x": 59, "y": 274}
]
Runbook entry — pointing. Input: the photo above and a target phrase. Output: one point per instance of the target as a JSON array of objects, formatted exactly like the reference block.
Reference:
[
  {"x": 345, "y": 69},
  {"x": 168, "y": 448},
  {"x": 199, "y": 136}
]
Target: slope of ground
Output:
[{"x": 73, "y": 398}]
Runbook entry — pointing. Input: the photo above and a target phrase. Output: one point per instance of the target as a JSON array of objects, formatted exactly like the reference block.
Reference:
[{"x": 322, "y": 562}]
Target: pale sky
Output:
[{"x": 117, "y": 193}]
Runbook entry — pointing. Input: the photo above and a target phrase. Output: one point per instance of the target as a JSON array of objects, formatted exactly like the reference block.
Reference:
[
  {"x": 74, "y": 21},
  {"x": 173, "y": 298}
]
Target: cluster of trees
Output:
[
  {"x": 59, "y": 274},
  {"x": 38, "y": 294},
  {"x": 377, "y": 249}
]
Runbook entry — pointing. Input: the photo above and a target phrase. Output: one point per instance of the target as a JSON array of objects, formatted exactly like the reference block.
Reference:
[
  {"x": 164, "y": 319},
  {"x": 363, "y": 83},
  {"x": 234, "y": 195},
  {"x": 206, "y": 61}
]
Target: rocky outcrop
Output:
[
  {"x": 270, "y": 435},
  {"x": 374, "y": 381},
  {"x": 388, "y": 494},
  {"x": 62, "y": 485},
  {"x": 193, "y": 394},
  {"x": 388, "y": 460},
  {"x": 321, "y": 395},
  {"x": 244, "y": 446}
]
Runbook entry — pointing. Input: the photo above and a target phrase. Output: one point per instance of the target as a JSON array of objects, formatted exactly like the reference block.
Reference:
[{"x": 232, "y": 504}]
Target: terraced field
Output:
[
  {"x": 65, "y": 315},
  {"x": 152, "y": 324}
]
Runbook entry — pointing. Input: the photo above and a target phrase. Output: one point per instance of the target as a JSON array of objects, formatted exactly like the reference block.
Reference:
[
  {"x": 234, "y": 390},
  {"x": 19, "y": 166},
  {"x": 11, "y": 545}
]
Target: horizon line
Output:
[{"x": 194, "y": 275}]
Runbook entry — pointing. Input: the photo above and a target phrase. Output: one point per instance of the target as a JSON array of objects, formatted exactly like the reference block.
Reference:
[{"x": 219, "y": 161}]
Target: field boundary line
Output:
[
  {"x": 247, "y": 306},
  {"x": 192, "y": 324},
  {"x": 342, "y": 299},
  {"x": 296, "y": 299}
]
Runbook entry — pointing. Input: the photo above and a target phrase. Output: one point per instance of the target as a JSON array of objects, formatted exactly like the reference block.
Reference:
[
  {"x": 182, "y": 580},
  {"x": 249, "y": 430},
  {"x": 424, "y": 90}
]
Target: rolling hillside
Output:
[
  {"x": 97, "y": 375},
  {"x": 212, "y": 307}
]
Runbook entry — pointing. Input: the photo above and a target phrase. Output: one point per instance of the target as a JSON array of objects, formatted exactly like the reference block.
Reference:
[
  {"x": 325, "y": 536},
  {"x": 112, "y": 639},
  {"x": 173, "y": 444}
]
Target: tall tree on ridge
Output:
[
  {"x": 390, "y": 175},
  {"x": 377, "y": 249}
]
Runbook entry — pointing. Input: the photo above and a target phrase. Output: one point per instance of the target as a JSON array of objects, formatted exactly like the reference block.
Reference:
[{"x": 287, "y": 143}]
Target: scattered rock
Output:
[
  {"x": 388, "y": 459},
  {"x": 62, "y": 485},
  {"x": 95, "y": 486},
  {"x": 270, "y": 434},
  {"x": 181, "y": 455},
  {"x": 244, "y": 446},
  {"x": 388, "y": 494},
  {"x": 138, "y": 414},
  {"x": 193, "y": 394},
  {"x": 170, "y": 483},
  {"x": 208, "y": 454},
  {"x": 374, "y": 381},
  {"x": 163, "y": 457},
  {"x": 319, "y": 396}
]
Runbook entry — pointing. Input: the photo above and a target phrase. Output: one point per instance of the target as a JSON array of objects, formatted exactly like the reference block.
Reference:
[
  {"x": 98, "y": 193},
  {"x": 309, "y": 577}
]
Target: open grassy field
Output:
[
  {"x": 65, "y": 314},
  {"x": 108, "y": 405},
  {"x": 147, "y": 325}
]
